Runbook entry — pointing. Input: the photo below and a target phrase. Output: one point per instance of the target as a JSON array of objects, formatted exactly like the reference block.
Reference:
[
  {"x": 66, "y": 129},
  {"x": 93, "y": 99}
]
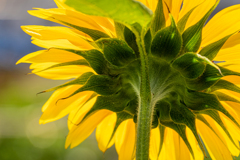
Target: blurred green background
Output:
[{"x": 21, "y": 136}]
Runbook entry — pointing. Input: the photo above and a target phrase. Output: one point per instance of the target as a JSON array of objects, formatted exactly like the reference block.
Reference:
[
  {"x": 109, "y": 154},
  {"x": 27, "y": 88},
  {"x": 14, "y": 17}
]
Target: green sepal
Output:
[
  {"x": 199, "y": 101},
  {"x": 211, "y": 50},
  {"x": 209, "y": 77},
  {"x": 77, "y": 62},
  {"x": 167, "y": 42},
  {"x": 117, "y": 52},
  {"x": 215, "y": 115},
  {"x": 94, "y": 34},
  {"x": 162, "y": 135},
  {"x": 101, "y": 84},
  {"x": 227, "y": 72},
  {"x": 192, "y": 37},
  {"x": 180, "y": 114},
  {"x": 181, "y": 130},
  {"x": 155, "y": 121},
  {"x": 224, "y": 97},
  {"x": 122, "y": 100},
  {"x": 223, "y": 84},
  {"x": 158, "y": 21},
  {"x": 78, "y": 81},
  {"x": 148, "y": 41},
  {"x": 119, "y": 30},
  {"x": 183, "y": 21},
  {"x": 95, "y": 59},
  {"x": 171, "y": 108},
  {"x": 126, "y": 12},
  {"x": 190, "y": 65},
  {"x": 130, "y": 38},
  {"x": 163, "y": 108}
]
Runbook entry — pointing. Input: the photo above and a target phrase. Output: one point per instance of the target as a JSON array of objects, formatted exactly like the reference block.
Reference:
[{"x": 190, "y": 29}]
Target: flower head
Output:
[{"x": 191, "y": 68}]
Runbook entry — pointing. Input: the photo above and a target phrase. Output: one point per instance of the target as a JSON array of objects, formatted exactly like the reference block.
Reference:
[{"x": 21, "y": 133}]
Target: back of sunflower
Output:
[{"x": 145, "y": 74}]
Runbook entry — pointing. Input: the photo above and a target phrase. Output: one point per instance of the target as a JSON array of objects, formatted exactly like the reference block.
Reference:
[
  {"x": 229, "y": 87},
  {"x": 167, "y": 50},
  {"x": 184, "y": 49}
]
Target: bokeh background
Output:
[{"x": 21, "y": 136}]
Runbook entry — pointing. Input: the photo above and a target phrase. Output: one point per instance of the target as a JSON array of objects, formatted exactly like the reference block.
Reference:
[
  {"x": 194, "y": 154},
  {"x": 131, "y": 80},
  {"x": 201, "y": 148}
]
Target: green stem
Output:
[{"x": 145, "y": 110}]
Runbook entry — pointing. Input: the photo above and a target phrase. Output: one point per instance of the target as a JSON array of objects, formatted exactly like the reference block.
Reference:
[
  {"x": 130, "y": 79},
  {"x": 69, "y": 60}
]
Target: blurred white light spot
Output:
[{"x": 41, "y": 136}]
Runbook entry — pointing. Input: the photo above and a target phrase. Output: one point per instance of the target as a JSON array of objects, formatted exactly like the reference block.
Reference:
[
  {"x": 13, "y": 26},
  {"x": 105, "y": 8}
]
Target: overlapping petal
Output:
[{"x": 55, "y": 39}]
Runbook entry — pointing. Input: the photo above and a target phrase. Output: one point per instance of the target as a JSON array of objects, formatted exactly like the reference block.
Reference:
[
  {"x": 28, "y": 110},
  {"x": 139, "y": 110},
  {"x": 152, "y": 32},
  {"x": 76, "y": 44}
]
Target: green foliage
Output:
[{"x": 127, "y": 12}]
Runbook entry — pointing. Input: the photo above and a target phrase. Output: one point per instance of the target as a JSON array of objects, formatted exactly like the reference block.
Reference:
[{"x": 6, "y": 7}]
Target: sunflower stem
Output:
[{"x": 145, "y": 110}]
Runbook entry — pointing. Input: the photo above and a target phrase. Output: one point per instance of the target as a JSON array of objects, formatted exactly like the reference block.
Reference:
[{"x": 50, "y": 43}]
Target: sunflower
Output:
[{"x": 151, "y": 76}]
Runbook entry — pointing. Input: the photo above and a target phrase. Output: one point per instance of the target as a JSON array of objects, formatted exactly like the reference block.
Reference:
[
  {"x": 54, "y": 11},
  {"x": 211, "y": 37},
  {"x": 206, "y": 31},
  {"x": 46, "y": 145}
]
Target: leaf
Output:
[
  {"x": 117, "y": 52},
  {"x": 158, "y": 21},
  {"x": 211, "y": 50},
  {"x": 167, "y": 42},
  {"x": 193, "y": 35},
  {"x": 127, "y": 12}
]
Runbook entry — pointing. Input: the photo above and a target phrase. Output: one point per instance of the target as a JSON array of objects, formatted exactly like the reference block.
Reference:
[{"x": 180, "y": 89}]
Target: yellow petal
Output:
[
  {"x": 76, "y": 18},
  {"x": 77, "y": 114},
  {"x": 168, "y": 150},
  {"x": 195, "y": 146},
  {"x": 56, "y": 43},
  {"x": 198, "y": 13},
  {"x": 79, "y": 132},
  {"x": 232, "y": 108},
  {"x": 55, "y": 108},
  {"x": 125, "y": 140},
  {"x": 154, "y": 143},
  {"x": 151, "y": 4},
  {"x": 222, "y": 24},
  {"x": 222, "y": 135},
  {"x": 233, "y": 79},
  {"x": 51, "y": 55},
  {"x": 233, "y": 130},
  {"x": 181, "y": 150},
  {"x": 232, "y": 148},
  {"x": 216, "y": 148},
  {"x": 104, "y": 132},
  {"x": 174, "y": 6},
  {"x": 62, "y": 73},
  {"x": 57, "y": 33}
]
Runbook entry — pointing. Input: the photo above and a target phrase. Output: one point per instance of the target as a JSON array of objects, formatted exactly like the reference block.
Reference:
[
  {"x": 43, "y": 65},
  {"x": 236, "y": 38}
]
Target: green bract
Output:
[{"x": 154, "y": 66}]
